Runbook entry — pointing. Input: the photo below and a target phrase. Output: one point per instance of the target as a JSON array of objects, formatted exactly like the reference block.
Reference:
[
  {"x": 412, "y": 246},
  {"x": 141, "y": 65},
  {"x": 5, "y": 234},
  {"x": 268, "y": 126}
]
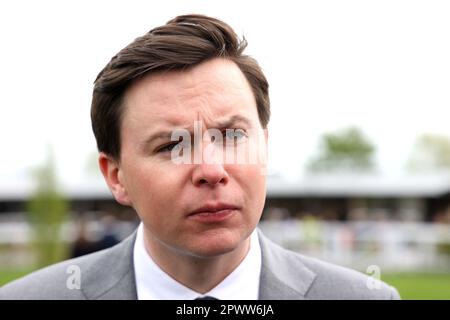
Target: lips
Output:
[
  {"x": 214, "y": 212},
  {"x": 213, "y": 208}
]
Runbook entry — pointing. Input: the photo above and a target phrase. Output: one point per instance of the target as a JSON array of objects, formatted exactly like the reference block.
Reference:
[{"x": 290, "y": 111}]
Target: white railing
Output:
[{"x": 393, "y": 246}]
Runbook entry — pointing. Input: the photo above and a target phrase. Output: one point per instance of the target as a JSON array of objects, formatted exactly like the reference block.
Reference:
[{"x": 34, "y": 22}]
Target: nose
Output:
[
  {"x": 209, "y": 174},
  {"x": 211, "y": 170}
]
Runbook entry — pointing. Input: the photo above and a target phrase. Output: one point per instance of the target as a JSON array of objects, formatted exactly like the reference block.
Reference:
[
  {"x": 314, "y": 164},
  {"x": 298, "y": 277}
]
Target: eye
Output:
[
  {"x": 237, "y": 134},
  {"x": 168, "y": 147}
]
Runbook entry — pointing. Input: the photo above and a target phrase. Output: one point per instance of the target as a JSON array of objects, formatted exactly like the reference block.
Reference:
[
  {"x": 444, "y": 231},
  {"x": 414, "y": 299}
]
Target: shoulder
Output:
[
  {"x": 52, "y": 282},
  {"x": 337, "y": 282},
  {"x": 75, "y": 279},
  {"x": 317, "y": 279}
]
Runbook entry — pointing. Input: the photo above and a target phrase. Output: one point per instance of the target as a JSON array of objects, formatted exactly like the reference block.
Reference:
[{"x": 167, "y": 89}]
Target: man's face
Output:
[{"x": 165, "y": 194}]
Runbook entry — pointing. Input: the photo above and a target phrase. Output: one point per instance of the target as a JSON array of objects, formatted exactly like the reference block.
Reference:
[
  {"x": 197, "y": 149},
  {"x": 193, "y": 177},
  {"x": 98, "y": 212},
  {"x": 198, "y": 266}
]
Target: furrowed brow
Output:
[
  {"x": 233, "y": 121},
  {"x": 166, "y": 135}
]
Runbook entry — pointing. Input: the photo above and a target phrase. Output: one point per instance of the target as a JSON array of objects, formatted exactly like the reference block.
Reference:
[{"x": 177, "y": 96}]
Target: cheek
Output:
[
  {"x": 252, "y": 182},
  {"x": 152, "y": 188},
  {"x": 254, "y": 175}
]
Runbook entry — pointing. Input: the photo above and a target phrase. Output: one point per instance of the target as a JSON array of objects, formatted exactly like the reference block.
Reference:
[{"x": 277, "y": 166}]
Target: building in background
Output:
[
  {"x": 398, "y": 223},
  {"x": 326, "y": 196}
]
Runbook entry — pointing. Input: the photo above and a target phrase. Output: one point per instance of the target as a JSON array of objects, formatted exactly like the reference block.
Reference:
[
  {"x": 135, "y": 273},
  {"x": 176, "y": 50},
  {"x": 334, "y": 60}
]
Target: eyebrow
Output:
[{"x": 220, "y": 125}]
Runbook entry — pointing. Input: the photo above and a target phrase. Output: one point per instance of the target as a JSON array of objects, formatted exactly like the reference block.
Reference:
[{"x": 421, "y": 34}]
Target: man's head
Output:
[
  {"x": 181, "y": 44},
  {"x": 191, "y": 69}
]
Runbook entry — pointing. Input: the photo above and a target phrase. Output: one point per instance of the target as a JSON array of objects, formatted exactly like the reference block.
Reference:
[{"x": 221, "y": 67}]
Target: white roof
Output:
[
  {"x": 362, "y": 185},
  {"x": 307, "y": 186}
]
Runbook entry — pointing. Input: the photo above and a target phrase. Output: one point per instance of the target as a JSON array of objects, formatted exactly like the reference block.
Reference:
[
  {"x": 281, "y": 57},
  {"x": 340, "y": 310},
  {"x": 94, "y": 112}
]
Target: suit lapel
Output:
[
  {"x": 111, "y": 275},
  {"x": 283, "y": 275}
]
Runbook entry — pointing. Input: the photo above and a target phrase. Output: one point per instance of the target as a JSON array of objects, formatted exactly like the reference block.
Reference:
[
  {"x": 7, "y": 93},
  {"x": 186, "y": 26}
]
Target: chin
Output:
[{"x": 215, "y": 245}]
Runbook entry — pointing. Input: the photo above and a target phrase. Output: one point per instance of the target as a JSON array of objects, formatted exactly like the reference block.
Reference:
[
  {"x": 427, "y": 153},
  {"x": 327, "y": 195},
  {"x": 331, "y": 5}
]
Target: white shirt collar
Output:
[{"x": 152, "y": 283}]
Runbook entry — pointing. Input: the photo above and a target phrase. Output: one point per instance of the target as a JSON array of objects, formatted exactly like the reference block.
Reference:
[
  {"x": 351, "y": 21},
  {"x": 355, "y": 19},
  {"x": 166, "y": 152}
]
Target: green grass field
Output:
[
  {"x": 420, "y": 286},
  {"x": 7, "y": 275},
  {"x": 410, "y": 285}
]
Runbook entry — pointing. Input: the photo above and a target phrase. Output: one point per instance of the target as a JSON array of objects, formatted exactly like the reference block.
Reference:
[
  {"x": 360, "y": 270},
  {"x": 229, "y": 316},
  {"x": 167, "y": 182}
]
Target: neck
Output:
[{"x": 200, "y": 274}]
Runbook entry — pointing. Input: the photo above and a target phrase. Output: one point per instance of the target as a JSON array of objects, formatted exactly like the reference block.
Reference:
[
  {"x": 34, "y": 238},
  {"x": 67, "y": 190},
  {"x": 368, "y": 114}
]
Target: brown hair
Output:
[{"x": 182, "y": 43}]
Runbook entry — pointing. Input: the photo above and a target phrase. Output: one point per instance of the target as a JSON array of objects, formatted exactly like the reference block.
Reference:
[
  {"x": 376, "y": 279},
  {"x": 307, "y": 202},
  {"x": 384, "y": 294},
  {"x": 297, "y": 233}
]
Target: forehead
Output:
[{"x": 212, "y": 89}]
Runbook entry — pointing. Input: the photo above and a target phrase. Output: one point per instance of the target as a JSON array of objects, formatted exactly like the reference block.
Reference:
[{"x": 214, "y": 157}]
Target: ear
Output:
[{"x": 114, "y": 178}]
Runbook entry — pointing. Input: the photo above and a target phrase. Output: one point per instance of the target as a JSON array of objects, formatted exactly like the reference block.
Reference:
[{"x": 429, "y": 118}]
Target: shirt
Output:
[{"x": 152, "y": 283}]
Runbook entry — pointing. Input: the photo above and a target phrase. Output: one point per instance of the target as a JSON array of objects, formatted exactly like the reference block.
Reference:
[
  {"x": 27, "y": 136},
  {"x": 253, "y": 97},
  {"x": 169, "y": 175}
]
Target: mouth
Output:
[{"x": 213, "y": 212}]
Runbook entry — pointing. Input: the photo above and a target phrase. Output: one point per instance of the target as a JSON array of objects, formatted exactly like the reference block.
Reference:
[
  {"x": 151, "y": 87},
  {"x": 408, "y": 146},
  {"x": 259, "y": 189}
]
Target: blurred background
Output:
[{"x": 359, "y": 140}]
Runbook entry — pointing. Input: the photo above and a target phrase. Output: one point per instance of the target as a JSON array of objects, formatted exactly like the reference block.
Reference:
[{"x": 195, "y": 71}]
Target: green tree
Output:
[
  {"x": 347, "y": 150},
  {"x": 430, "y": 152},
  {"x": 47, "y": 210}
]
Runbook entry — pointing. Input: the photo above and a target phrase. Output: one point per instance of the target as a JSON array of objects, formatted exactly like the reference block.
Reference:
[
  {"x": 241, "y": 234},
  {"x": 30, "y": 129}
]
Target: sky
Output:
[{"x": 380, "y": 65}]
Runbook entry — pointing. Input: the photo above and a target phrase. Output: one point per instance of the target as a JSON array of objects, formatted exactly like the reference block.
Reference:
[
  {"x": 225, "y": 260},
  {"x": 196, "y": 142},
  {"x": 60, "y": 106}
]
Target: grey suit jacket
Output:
[{"x": 109, "y": 274}]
